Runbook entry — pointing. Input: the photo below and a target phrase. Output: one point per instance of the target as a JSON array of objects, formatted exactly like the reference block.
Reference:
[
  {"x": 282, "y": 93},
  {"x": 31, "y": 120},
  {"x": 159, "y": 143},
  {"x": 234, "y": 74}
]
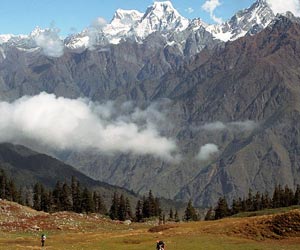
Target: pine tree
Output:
[
  {"x": 139, "y": 211},
  {"x": 190, "y": 212},
  {"x": 236, "y": 206},
  {"x": 11, "y": 191},
  {"x": 288, "y": 196},
  {"x": 222, "y": 209},
  {"x": 297, "y": 196},
  {"x": 113, "y": 211},
  {"x": 66, "y": 198},
  {"x": 98, "y": 203},
  {"x": 37, "y": 194},
  {"x": 210, "y": 215},
  {"x": 87, "y": 205},
  {"x": 57, "y": 193},
  {"x": 76, "y": 196},
  {"x": 266, "y": 201},
  {"x": 128, "y": 209},
  {"x": 176, "y": 216},
  {"x": 3, "y": 181},
  {"x": 171, "y": 215},
  {"x": 122, "y": 208},
  {"x": 145, "y": 209},
  {"x": 257, "y": 202},
  {"x": 249, "y": 201}
]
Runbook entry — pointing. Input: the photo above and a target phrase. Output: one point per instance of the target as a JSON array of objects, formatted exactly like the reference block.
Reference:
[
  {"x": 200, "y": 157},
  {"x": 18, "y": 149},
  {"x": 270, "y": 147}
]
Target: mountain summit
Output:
[
  {"x": 249, "y": 21},
  {"x": 164, "y": 19}
]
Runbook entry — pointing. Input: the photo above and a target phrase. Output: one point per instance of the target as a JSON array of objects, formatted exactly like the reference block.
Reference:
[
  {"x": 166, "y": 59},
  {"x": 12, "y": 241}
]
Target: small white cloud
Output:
[
  {"x": 57, "y": 123},
  {"x": 94, "y": 32},
  {"x": 189, "y": 10},
  {"x": 207, "y": 151},
  {"x": 243, "y": 125},
  {"x": 247, "y": 125},
  {"x": 214, "y": 126},
  {"x": 210, "y": 6},
  {"x": 99, "y": 23},
  {"x": 284, "y": 6},
  {"x": 50, "y": 42}
]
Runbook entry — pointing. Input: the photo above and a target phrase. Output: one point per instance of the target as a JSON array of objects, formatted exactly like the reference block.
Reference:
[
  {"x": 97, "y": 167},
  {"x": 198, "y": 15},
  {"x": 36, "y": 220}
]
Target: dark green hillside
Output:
[{"x": 28, "y": 167}]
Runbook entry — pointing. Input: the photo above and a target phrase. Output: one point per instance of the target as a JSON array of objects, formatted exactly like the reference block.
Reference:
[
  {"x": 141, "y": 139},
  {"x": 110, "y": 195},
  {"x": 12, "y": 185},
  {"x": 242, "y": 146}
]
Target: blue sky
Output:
[{"x": 70, "y": 16}]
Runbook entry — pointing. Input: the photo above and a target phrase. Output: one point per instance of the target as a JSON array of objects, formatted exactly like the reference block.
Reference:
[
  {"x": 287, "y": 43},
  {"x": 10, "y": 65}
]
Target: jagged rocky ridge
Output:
[{"x": 160, "y": 18}]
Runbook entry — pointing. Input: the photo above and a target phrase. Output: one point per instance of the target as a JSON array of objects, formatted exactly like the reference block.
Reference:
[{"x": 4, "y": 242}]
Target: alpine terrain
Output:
[{"x": 209, "y": 110}]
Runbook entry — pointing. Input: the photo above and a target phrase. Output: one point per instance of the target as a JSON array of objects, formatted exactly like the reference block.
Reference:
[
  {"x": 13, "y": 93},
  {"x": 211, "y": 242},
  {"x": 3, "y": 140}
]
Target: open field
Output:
[{"x": 21, "y": 229}]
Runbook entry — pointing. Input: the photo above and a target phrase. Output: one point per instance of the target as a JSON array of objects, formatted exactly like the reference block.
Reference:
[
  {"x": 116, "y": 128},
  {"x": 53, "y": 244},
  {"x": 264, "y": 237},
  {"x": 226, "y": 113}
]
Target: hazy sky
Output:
[
  {"x": 22, "y": 16},
  {"x": 71, "y": 16}
]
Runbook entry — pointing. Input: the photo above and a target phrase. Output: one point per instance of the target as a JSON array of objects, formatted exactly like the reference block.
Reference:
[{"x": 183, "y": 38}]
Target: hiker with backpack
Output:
[
  {"x": 43, "y": 239},
  {"x": 160, "y": 245}
]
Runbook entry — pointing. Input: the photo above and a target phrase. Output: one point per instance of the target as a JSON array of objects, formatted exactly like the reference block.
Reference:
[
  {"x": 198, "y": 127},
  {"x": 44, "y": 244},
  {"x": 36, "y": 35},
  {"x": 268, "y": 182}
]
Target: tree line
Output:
[
  {"x": 282, "y": 197},
  {"x": 64, "y": 196},
  {"x": 73, "y": 197}
]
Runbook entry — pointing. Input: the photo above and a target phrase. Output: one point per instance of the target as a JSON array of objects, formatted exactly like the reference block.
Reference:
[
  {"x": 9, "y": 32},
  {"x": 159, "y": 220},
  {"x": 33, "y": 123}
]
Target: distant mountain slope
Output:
[
  {"x": 244, "y": 98},
  {"x": 28, "y": 167}
]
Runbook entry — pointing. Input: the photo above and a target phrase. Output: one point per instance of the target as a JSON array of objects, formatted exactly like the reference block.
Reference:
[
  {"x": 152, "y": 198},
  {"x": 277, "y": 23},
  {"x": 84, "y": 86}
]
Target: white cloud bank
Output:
[
  {"x": 207, "y": 151},
  {"x": 50, "y": 42},
  {"x": 210, "y": 6},
  {"x": 58, "y": 123},
  {"x": 279, "y": 6}
]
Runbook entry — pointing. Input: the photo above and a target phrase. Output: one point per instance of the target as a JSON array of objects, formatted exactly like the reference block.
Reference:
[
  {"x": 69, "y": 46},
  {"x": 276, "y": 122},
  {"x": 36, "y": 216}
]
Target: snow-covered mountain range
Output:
[{"x": 161, "y": 17}]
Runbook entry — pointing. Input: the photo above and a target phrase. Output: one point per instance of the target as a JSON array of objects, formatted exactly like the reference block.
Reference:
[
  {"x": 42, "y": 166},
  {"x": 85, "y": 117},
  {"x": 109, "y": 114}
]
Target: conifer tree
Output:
[
  {"x": 146, "y": 208},
  {"x": 297, "y": 196},
  {"x": 87, "y": 205},
  {"x": 113, "y": 211},
  {"x": 257, "y": 202},
  {"x": 76, "y": 196},
  {"x": 37, "y": 194},
  {"x": 171, "y": 214},
  {"x": 66, "y": 198},
  {"x": 128, "y": 209},
  {"x": 176, "y": 216},
  {"x": 57, "y": 193},
  {"x": 210, "y": 215},
  {"x": 190, "y": 212},
  {"x": 288, "y": 196},
  {"x": 122, "y": 208},
  {"x": 222, "y": 209},
  {"x": 139, "y": 211}
]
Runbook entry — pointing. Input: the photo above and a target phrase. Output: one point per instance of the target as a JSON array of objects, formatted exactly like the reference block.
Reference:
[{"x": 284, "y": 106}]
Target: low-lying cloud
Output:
[
  {"x": 247, "y": 125},
  {"x": 50, "y": 42},
  {"x": 58, "y": 123},
  {"x": 284, "y": 6},
  {"x": 210, "y": 6},
  {"x": 207, "y": 151}
]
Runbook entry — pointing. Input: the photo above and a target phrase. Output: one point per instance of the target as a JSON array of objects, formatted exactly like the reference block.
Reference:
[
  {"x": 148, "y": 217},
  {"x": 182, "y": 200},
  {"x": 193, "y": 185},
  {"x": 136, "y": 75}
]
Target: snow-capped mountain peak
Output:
[
  {"x": 162, "y": 17},
  {"x": 248, "y": 21},
  {"x": 127, "y": 16},
  {"x": 122, "y": 22}
]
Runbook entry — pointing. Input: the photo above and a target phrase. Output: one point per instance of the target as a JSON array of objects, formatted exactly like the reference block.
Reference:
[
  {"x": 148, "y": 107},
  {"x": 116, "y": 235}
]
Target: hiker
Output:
[
  {"x": 160, "y": 245},
  {"x": 43, "y": 238}
]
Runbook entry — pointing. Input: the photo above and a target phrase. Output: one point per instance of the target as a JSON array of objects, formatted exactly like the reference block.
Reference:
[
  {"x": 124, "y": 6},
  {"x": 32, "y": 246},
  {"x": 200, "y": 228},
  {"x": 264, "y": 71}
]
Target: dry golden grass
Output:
[{"x": 20, "y": 228}]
